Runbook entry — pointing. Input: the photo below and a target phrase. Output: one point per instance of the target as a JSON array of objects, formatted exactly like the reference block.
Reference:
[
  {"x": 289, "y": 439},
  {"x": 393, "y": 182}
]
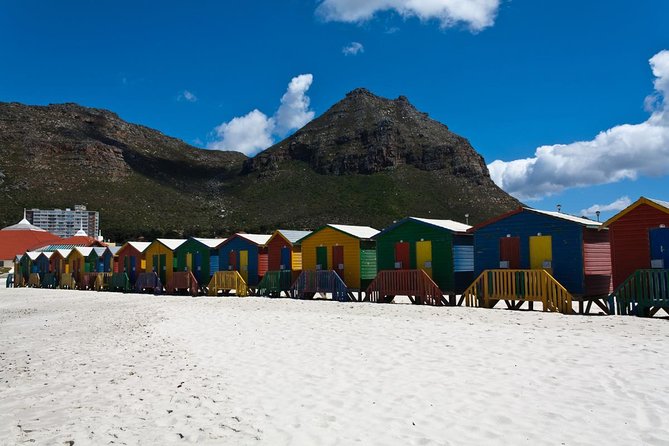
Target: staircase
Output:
[
  {"x": 182, "y": 281},
  {"x": 643, "y": 293},
  {"x": 515, "y": 287},
  {"x": 274, "y": 283},
  {"x": 310, "y": 283},
  {"x": 119, "y": 282},
  {"x": 415, "y": 284},
  {"x": 148, "y": 282},
  {"x": 225, "y": 281}
]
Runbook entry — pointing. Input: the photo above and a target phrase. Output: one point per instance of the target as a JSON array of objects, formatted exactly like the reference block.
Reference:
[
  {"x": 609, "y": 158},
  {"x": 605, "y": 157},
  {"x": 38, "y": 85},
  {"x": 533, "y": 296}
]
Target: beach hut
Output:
[
  {"x": 58, "y": 262},
  {"x": 131, "y": 259},
  {"x": 640, "y": 255},
  {"x": 245, "y": 253},
  {"x": 348, "y": 250},
  {"x": 441, "y": 248},
  {"x": 160, "y": 257},
  {"x": 284, "y": 262},
  {"x": 199, "y": 256},
  {"x": 575, "y": 251},
  {"x": 79, "y": 263}
]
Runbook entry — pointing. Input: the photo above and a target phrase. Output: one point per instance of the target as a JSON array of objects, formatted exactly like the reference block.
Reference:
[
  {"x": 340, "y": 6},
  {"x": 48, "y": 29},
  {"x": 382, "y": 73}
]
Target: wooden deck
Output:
[
  {"x": 643, "y": 293},
  {"x": 225, "y": 281},
  {"x": 415, "y": 284},
  {"x": 516, "y": 288}
]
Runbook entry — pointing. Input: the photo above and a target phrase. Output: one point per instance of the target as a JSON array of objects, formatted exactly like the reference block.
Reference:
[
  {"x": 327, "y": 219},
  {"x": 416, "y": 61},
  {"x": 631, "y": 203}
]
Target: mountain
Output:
[{"x": 367, "y": 160}]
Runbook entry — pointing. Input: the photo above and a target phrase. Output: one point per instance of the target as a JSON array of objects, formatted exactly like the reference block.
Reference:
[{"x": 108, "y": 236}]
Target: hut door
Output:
[
  {"x": 244, "y": 264},
  {"x": 163, "y": 268},
  {"x": 659, "y": 248},
  {"x": 189, "y": 261},
  {"x": 509, "y": 252},
  {"x": 541, "y": 252},
  {"x": 285, "y": 258},
  {"x": 338, "y": 260},
  {"x": 232, "y": 261},
  {"x": 322, "y": 258},
  {"x": 197, "y": 266},
  {"x": 402, "y": 260},
  {"x": 424, "y": 256},
  {"x": 132, "y": 266},
  {"x": 101, "y": 264}
]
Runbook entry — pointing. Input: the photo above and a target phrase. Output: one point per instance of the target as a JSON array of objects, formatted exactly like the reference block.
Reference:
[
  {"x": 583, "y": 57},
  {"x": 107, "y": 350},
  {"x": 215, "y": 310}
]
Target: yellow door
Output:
[
  {"x": 424, "y": 257},
  {"x": 244, "y": 264},
  {"x": 189, "y": 261},
  {"x": 541, "y": 252}
]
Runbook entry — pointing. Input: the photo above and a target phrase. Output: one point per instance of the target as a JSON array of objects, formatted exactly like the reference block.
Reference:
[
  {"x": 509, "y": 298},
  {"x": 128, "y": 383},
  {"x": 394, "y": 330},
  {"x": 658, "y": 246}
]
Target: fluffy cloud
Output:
[
  {"x": 294, "y": 112},
  {"x": 187, "y": 96},
  {"x": 625, "y": 151},
  {"x": 618, "y": 205},
  {"x": 256, "y": 131},
  {"x": 353, "y": 49},
  {"x": 476, "y": 14}
]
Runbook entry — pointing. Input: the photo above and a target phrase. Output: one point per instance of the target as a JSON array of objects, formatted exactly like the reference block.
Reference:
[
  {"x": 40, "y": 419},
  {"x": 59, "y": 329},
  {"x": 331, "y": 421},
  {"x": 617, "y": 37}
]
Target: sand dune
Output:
[{"x": 107, "y": 368}]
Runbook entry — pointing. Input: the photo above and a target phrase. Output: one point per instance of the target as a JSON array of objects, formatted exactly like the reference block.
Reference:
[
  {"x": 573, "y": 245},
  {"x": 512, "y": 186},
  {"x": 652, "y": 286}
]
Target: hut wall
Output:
[
  {"x": 411, "y": 232},
  {"x": 566, "y": 240},
  {"x": 630, "y": 243},
  {"x": 235, "y": 245},
  {"x": 328, "y": 237},
  {"x": 597, "y": 262}
]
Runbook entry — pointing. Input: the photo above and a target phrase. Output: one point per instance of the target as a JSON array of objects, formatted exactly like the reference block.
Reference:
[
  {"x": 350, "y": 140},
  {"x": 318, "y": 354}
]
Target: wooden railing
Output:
[
  {"x": 643, "y": 291},
  {"x": 415, "y": 284},
  {"x": 535, "y": 285},
  {"x": 34, "y": 280},
  {"x": 119, "y": 282},
  {"x": 67, "y": 281},
  {"x": 274, "y": 283},
  {"x": 182, "y": 281},
  {"x": 148, "y": 282},
  {"x": 310, "y": 283},
  {"x": 49, "y": 280},
  {"x": 226, "y": 281},
  {"x": 102, "y": 281}
]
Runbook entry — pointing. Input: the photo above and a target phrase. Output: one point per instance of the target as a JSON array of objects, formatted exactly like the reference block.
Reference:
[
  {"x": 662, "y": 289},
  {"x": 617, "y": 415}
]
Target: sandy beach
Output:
[{"x": 107, "y": 368}]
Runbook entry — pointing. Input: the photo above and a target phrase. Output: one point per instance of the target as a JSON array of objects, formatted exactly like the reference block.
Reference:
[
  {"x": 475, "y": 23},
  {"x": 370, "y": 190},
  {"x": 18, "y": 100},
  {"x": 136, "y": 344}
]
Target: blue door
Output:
[
  {"x": 285, "y": 258},
  {"x": 133, "y": 269},
  {"x": 198, "y": 266},
  {"x": 659, "y": 248}
]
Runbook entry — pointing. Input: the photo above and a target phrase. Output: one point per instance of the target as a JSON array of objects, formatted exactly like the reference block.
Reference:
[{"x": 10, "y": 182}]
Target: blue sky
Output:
[{"x": 511, "y": 76}]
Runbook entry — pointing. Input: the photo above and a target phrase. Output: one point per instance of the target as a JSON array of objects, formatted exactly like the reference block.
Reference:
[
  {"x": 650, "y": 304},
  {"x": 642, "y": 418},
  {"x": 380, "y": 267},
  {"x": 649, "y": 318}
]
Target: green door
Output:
[
  {"x": 163, "y": 268},
  {"x": 322, "y": 258}
]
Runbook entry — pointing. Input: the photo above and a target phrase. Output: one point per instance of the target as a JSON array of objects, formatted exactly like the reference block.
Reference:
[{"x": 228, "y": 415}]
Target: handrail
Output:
[
  {"x": 415, "y": 283},
  {"x": 228, "y": 280},
  {"x": 534, "y": 285},
  {"x": 274, "y": 282},
  {"x": 320, "y": 282},
  {"x": 643, "y": 289}
]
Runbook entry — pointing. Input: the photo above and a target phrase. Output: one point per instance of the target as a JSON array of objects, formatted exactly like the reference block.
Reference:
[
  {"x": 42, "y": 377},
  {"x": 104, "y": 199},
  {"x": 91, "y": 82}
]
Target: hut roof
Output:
[
  {"x": 84, "y": 250},
  {"x": 172, "y": 243},
  {"x": 211, "y": 242},
  {"x": 293, "y": 236},
  {"x": 559, "y": 215},
  {"x": 361, "y": 232},
  {"x": 258, "y": 239},
  {"x": 140, "y": 246},
  {"x": 449, "y": 225},
  {"x": 657, "y": 204},
  {"x": 99, "y": 251}
]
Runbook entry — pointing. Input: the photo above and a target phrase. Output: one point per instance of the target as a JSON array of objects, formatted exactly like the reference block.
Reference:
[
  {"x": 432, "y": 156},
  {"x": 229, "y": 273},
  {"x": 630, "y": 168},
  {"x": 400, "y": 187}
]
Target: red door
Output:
[
  {"x": 338, "y": 260},
  {"x": 232, "y": 261},
  {"x": 402, "y": 260},
  {"x": 509, "y": 252}
]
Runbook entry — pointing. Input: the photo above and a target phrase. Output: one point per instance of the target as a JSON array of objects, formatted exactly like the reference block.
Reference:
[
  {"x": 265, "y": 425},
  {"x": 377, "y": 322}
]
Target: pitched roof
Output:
[
  {"x": 80, "y": 240},
  {"x": 32, "y": 255},
  {"x": 99, "y": 251},
  {"x": 258, "y": 239},
  {"x": 572, "y": 218},
  {"x": 657, "y": 204},
  {"x": 84, "y": 250},
  {"x": 361, "y": 232},
  {"x": 449, "y": 225},
  {"x": 64, "y": 252},
  {"x": 114, "y": 249},
  {"x": 19, "y": 238},
  {"x": 46, "y": 254},
  {"x": 172, "y": 243},
  {"x": 211, "y": 242},
  {"x": 139, "y": 246},
  {"x": 291, "y": 235}
]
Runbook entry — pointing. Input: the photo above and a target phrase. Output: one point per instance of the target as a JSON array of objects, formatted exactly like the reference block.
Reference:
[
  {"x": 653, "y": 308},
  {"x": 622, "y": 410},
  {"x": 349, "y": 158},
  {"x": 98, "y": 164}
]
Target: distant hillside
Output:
[{"x": 367, "y": 160}]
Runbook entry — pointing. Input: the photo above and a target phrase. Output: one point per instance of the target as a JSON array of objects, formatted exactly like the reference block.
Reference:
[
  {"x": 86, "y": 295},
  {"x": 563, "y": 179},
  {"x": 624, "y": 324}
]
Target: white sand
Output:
[{"x": 106, "y": 368}]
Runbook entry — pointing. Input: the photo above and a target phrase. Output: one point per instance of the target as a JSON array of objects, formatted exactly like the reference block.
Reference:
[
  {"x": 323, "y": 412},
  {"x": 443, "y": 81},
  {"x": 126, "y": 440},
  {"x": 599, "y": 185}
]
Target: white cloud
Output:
[
  {"x": 625, "y": 151},
  {"x": 616, "y": 206},
  {"x": 247, "y": 134},
  {"x": 294, "y": 112},
  {"x": 353, "y": 49},
  {"x": 476, "y": 14},
  {"x": 256, "y": 131},
  {"x": 187, "y": 96}
]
